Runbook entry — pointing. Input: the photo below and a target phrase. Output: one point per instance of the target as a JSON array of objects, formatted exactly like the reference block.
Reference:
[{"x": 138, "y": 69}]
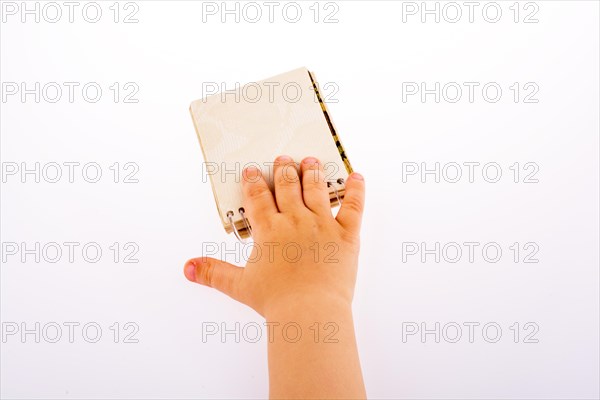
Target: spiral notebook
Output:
[{"x": 252, "y": 125}]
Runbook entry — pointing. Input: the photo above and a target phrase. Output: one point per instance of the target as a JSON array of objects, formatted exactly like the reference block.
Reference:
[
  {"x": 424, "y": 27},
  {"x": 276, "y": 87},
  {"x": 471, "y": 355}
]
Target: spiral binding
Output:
[
  {"x": 330, "y": 184},
  {"x": 238, "y": 234}
]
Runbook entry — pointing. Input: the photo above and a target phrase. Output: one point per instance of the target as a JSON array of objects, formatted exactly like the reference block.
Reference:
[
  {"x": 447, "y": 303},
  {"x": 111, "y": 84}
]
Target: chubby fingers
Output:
[
  {"x": 288, "y": 191},
  {"x": 257, "y": 197},
  {"x": 351, "y": 211},
  {"x": 314, "y": 187}
]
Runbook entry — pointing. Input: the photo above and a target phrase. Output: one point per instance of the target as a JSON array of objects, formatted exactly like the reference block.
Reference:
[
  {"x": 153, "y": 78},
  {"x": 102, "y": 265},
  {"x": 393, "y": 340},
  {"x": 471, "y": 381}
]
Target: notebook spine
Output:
[{"x": 336, "y": 138}]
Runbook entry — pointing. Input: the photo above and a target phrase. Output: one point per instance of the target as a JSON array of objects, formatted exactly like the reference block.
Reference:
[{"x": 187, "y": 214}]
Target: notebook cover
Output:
[{"x": 259, "y": 121}]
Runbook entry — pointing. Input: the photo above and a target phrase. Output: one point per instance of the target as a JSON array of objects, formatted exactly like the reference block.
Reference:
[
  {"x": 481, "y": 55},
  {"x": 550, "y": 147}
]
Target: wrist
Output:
[{"x": 305, "y": 308}]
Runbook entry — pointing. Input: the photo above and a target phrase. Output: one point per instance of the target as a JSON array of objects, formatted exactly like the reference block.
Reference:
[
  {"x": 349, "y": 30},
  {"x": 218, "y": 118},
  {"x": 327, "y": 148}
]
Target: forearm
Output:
[{"x": 313, "y": 353}]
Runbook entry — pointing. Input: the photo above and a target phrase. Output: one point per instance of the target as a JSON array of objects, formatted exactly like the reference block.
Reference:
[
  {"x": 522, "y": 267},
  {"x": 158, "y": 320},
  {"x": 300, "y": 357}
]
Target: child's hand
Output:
[
  {"x": 301, "y": 271},
  {"x": 301, "y": 252}
]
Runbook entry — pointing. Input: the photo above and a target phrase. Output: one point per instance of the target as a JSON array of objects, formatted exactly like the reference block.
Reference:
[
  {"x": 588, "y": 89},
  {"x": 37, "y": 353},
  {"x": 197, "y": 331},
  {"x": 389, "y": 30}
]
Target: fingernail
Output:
[
  {"x": 357, "y": 176},
  {"x": 190, "y": 271},
  {"x": 284, "y": 159},
  {"x": 310, "y": 161}
]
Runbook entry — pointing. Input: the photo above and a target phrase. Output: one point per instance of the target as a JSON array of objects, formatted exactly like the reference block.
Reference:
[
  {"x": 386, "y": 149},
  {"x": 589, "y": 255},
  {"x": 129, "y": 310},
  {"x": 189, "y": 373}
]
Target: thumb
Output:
[
  {"x": 216, "y": 274},
  {"x": 351, "y": 210}
]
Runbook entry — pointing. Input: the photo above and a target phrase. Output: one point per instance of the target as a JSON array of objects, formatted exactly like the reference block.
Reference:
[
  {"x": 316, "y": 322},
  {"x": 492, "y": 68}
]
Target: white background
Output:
[{"x": 170, "y": 213}]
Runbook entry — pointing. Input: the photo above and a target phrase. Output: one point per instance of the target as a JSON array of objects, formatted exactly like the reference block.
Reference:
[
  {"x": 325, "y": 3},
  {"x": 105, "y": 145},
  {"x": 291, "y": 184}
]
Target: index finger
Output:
[{"x": 258, "y": 200}]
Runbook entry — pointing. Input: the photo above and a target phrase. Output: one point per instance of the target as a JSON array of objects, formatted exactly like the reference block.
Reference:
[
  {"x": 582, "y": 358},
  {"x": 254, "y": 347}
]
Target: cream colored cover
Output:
[{"x": 259, "y": 121}]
